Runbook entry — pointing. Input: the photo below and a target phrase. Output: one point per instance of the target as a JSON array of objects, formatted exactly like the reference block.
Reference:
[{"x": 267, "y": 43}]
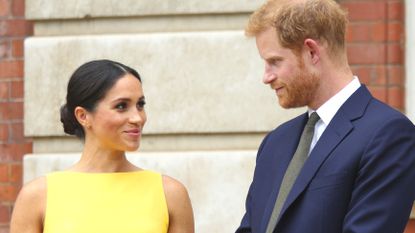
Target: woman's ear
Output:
[
  {"x": 81, "y": 115},
  {"x": 313, "y": 50}
]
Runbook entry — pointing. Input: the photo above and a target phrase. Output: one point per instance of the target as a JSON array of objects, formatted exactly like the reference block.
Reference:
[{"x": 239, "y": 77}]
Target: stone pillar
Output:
[
  {"x": 410, "y": 58},
  {"x": 410, "y": 78}
]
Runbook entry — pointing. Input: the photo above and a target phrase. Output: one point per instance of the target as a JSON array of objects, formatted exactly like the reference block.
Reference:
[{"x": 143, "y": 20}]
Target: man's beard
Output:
[{"x": 301, "y": 91}]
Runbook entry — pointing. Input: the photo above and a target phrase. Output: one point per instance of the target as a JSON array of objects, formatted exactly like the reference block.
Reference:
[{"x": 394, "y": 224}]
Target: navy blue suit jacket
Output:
[{"x": 359, "y": 178}]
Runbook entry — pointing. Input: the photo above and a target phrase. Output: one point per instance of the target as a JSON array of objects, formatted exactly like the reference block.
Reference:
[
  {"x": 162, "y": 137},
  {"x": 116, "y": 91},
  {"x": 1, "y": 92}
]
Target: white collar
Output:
[{"x": 331, "y": 106}]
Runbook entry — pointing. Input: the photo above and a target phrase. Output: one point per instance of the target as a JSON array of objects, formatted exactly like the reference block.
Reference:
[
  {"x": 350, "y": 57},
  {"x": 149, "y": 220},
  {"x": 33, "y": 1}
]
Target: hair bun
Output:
[{"x": 68, "y": 120}]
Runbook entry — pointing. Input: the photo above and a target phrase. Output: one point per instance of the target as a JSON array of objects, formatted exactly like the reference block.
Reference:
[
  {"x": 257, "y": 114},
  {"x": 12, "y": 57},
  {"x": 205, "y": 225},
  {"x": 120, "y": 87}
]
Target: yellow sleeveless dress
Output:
[{"x": 125, "y": 202}]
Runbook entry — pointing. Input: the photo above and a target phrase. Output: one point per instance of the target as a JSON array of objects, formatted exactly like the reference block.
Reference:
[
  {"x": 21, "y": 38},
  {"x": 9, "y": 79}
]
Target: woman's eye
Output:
[
  {"x": 141, "y": 104},
  {"x": 121, "y": 106}
]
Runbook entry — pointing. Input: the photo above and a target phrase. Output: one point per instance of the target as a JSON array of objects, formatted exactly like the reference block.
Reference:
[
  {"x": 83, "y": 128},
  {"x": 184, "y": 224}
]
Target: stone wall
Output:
[{"x": 207, "y": 107}]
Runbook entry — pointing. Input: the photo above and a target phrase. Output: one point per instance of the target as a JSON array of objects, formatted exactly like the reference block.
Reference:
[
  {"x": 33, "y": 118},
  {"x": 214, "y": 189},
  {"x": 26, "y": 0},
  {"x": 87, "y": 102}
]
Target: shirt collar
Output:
[{"x": 331, "y": 106}]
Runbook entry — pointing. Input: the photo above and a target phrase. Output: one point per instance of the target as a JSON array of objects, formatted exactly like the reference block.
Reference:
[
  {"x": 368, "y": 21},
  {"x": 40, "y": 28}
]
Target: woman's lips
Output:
[{"x": 133, "y": 132}]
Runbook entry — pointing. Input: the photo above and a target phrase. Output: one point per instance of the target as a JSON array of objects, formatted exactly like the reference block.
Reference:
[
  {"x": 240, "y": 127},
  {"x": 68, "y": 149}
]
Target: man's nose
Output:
[{"x": 269, "y": 75}]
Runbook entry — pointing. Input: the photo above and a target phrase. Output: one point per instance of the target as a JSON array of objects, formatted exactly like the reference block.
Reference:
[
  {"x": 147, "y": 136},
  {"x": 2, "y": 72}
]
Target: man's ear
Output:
[
  {"x": 81, "y": 115},
  {"x": 313, "y": 50}
]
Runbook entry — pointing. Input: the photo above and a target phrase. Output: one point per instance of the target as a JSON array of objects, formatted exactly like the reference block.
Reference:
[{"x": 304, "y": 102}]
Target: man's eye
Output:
[
  {"x": 276, "y": 62},
  {"x": 121, "y": 106}
]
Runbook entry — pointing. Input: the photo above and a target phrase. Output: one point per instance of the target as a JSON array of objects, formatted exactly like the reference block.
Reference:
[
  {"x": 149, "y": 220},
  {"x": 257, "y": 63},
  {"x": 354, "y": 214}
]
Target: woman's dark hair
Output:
[{"x": 87, "y": 86}]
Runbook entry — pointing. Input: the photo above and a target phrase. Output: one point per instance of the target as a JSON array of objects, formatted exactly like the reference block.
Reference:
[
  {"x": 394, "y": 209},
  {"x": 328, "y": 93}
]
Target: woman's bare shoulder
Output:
[
  {"x": 34, "y": 189},
  {"x": 172, "y": 185}
]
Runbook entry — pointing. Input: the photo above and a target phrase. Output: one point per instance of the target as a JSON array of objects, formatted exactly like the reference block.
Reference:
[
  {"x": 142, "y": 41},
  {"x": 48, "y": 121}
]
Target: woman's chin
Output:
[{"x": 132, "y": 147}]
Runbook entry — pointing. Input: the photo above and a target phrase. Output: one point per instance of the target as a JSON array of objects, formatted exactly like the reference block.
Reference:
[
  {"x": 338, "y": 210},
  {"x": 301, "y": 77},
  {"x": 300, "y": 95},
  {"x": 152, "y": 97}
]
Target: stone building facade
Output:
[{"x": 207, "y": 108}]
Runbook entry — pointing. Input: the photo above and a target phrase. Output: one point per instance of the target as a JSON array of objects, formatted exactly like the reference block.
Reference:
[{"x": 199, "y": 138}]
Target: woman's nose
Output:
[{"x": 137, "y": 116}]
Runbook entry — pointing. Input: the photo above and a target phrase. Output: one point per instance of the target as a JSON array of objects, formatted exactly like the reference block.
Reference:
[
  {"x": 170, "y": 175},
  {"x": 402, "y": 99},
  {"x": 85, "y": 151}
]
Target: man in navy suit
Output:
[{"x": 359, "y": 171}]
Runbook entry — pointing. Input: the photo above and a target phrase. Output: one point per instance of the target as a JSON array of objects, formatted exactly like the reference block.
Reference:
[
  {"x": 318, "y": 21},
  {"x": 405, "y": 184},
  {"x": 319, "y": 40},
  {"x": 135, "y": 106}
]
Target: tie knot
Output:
[{"x": 312, "y": 120}]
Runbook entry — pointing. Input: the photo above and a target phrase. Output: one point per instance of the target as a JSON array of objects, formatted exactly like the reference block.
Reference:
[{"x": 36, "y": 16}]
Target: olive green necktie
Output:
[{"x": 293, "y": 169}]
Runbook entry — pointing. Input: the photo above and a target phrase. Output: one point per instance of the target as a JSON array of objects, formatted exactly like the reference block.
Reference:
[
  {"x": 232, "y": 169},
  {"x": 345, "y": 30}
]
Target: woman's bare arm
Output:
[
  {"x": 29, "y": 208},
  {"x": 179, "y": 205}
]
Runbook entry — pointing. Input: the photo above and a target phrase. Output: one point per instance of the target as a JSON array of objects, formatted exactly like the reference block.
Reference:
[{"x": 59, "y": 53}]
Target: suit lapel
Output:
[
  {"x": 336, "y": 131},
  {"x": 282, "y": 154}
]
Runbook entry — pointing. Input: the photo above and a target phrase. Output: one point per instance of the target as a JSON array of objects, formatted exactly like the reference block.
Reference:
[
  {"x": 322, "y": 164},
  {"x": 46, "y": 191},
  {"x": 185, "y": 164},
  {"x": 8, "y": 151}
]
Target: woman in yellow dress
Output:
[{"x": 104, "y": 192}]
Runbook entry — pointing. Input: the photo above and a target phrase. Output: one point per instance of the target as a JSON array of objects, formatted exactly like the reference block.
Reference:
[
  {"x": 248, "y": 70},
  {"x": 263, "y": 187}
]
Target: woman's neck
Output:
[{"x": 98, "y": 160}]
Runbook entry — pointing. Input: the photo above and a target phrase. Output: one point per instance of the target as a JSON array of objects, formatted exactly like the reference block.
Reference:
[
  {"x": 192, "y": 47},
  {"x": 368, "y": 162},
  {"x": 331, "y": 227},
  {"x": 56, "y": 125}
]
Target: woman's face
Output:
[{"x": 118, "y": 119}]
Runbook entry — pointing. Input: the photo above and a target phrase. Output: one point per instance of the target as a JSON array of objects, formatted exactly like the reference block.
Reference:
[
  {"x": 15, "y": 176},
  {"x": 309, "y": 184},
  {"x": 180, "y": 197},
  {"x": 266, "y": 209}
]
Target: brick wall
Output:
[
  {"x": 376, "y": 47},
  {"x": 13, "y": 29}
]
